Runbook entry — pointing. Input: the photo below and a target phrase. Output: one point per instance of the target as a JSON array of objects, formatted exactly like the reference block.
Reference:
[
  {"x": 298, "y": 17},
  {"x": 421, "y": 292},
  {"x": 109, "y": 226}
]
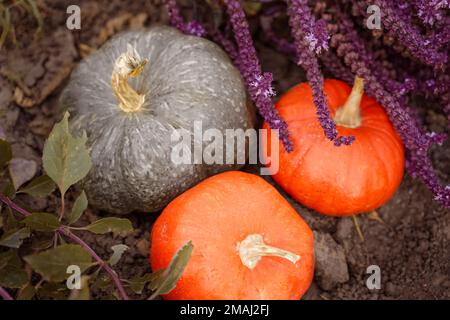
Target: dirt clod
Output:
[{"x": 331, "y": 265}]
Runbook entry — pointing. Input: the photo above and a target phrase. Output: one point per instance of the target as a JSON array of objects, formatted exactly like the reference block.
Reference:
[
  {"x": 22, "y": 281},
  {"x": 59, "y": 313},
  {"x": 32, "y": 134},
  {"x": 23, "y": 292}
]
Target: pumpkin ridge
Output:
[
  {"x": 392, "y": 135},
  {"x": 350, "y": 168},
  {"x": 387, "y": 177},
  {"x": 393, "y": 142},
  {"x": 297, "y": 165}
]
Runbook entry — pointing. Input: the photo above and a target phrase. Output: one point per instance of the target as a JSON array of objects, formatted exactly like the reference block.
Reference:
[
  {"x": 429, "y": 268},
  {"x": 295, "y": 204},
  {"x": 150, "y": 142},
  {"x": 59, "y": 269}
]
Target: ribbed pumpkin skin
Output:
[
  {"x": 344, "y": 180},
  {"x": 215, "y": 215},
  {"x": 186, "y": 79}
]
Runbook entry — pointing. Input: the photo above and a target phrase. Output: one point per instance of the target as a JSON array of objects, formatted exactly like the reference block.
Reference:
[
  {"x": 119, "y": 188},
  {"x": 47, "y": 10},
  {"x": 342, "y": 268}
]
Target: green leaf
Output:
[
  {"x": 118, "y": 251},
  {"x": 78, "y": 208},
  {"x": 116, "y": 225},
  {"x": 5, "y": 152},
  {"x": 41, "y": 221},
  {"x": 27, "y": 292},
  {"x": 52, "y": 264},
  {"x": 12, "y": 275},
  {"x": 8, "y": 188},
  {"x": 137, "y": 283},
  {"x": 4, "y": 259},
  {"x": 10, "y": 222},
  {"x": 39, "y": 245},
  {"x": 14, "y": 238},
  {"x": 50, "y": 290},
  {"x": 168, "y": 279},
  {"x": 39, "y": 187},
  {"x": 66, "y": 159}
]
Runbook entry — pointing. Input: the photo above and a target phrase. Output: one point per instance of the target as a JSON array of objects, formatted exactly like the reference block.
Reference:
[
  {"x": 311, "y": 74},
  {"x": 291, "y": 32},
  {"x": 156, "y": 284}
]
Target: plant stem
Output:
[
  {"x": 5, "y": 295},
  {"x": 101, "y": 262},
  {"x": 63, "y": 207},
  {"x": 65, "y": 231},
  {"x": 13, "y": 206}
]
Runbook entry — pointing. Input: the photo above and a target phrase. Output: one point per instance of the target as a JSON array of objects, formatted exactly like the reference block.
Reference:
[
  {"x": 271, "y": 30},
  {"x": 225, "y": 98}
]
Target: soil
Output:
[{"x": 410, "y": 244}]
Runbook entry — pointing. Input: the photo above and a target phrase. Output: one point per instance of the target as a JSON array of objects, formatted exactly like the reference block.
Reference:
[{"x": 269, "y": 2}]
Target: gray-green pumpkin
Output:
[{"x": 131, "y": 95}]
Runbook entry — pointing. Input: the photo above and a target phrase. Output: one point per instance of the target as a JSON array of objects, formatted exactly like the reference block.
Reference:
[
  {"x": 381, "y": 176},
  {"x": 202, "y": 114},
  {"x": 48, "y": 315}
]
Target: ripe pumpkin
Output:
[
  {"x": 249, "y": 243},
  {"x": 130, "y": 106},
  {"x": 346, "y": 180}
]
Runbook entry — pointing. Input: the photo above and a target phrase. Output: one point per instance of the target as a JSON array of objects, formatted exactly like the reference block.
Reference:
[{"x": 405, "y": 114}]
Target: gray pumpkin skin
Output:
[{"x": 186, "y": 79}]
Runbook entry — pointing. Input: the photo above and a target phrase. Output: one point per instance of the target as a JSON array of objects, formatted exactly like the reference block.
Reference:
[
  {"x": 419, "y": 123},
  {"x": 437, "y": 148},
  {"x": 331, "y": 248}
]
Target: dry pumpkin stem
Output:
[
  {"x": 358, "y": 227},
  {"x": 349, "y": 115},
  {"x": 128, "y": 64},
  {"x": 253, "y": 248},
  {"x": 374, "y": 215},
  {"x": 66, "y": 232}
]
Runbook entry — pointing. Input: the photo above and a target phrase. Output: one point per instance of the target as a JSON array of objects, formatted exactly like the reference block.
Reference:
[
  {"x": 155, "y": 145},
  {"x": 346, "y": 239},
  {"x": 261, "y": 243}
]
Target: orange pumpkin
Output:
[
  {"x": 345, "y": 180},
  {"x": 249, "y": 243}
]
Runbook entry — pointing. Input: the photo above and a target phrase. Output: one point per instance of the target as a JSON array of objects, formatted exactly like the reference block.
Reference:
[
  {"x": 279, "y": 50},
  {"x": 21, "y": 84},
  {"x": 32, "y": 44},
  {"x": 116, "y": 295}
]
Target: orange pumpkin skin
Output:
[
  {"x": 217, "y": 214},
  {"x": 337, "y": 181}
]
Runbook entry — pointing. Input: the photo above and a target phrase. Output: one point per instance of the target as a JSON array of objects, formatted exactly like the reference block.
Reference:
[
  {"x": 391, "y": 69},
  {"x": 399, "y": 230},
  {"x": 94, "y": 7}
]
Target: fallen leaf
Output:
[
  {"x": 22, "y": 171},
  {"x": 40, "y": 70},
  {"x": 375, "y": 216},
  {"x": 143, "y": 247},
  {"x": 118, "y": 251}
]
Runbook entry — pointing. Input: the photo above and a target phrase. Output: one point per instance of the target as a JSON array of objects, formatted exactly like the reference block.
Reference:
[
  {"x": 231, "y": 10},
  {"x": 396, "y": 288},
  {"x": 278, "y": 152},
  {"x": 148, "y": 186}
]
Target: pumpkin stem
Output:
[
  {"x": 253, "y": 248},
  {"x": 128, "y": 64},
  {"x": 349, "y": 115}
]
